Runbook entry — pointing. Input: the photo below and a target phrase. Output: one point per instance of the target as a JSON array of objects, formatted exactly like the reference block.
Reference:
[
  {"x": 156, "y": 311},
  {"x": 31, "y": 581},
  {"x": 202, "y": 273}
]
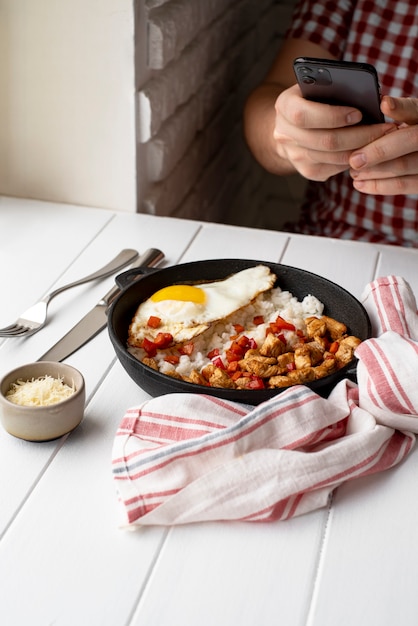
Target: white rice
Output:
[{"x": 269, "y": 304}]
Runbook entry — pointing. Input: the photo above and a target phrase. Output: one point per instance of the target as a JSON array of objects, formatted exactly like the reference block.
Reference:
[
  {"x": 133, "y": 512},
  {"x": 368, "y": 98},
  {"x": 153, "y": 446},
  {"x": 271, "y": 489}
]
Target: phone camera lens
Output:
[{"x": 308, "y": 80}]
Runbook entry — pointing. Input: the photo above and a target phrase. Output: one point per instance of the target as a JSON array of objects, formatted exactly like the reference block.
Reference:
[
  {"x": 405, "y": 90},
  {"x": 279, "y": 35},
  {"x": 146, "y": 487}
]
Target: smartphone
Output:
[{"x": 341, "y": 82}]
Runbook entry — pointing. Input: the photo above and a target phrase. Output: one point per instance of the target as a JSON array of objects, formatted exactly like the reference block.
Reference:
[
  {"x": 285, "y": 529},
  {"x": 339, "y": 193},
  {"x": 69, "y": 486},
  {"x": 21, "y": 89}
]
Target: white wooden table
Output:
[{"x": 63, "y": 558}]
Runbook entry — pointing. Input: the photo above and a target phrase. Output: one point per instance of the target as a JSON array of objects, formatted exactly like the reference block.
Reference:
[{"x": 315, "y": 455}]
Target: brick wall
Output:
[{"x": 202, "y": 59}]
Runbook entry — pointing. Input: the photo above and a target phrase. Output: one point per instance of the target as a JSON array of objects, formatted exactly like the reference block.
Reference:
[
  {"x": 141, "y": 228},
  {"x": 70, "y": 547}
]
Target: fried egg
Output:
[{"x": 186, "y": 311}]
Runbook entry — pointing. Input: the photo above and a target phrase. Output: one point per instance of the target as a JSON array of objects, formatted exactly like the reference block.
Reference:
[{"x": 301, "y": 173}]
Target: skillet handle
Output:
[
  {"x": 142, "y": 266},
  {"x": 132, "y": 275}
]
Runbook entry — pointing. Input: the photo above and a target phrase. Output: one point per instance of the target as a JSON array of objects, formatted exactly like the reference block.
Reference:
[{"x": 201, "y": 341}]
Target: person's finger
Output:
[
  {"x": 400, "y": 109},
  {"x": 385, "y": 149},
  {"x": 308, "y": 114},
  {"x": 313, "y": 166},
  {"x": 388, "y": 186},
  {"x": 332, "y": 140},
  {"x": 403, "y": 166}
]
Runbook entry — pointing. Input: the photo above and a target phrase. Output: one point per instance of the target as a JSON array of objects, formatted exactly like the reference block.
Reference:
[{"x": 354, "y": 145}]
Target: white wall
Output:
[{"x": 67, "y": 101}]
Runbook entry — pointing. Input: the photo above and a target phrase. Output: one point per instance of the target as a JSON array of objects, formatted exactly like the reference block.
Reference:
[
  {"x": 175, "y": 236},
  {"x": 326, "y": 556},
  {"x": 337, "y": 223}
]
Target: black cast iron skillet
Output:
[{"x": 339, "y": 304}]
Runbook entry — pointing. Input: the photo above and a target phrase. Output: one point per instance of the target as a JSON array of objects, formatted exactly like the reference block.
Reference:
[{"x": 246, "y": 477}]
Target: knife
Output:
[{"x": 95, "y": 320}]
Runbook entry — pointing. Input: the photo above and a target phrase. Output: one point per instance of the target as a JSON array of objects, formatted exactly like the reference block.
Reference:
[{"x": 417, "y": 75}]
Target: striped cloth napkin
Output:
[{"x": 184, "y": 458}]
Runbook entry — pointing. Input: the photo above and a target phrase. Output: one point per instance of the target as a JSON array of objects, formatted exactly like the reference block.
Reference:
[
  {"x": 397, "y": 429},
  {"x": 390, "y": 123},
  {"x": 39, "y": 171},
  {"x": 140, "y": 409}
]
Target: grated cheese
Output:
[{"x": 41, "y": 391}]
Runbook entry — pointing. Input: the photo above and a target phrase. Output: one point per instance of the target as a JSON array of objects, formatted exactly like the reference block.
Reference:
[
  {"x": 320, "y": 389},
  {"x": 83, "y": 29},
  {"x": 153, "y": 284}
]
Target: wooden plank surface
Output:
[
  {"x": 63, "y": 557},
  {"x": 64, "y": 551},
  {"x": 26, "y": 461},
  {"x": 227, "y": 573},
  {"x": 369, "y": 565}
]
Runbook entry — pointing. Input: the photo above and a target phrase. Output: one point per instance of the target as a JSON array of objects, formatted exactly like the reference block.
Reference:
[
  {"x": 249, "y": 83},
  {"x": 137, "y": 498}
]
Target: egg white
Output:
[{"x": 185, "y": 319}]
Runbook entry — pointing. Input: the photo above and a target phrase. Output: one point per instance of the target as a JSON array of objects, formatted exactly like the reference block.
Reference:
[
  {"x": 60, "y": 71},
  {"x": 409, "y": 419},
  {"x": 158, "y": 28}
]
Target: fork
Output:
[{"x": 34, "y": 318}]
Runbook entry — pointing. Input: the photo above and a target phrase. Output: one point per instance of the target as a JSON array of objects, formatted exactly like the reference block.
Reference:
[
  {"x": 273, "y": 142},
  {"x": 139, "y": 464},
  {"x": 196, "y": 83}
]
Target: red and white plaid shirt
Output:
[{"x": 383, "y": 33}]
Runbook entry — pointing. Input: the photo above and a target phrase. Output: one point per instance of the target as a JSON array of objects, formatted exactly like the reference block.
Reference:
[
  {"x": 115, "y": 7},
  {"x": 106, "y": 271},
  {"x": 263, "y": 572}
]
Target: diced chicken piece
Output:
[
  {"x": 150, "y": 362},
  {"x": 304, "y": 375},
  {"x": 294, "y": 377},
  {"x": 264, "y": 367},
  {"x": 315, "y": 326},
  {"x": 321, "y": 341},
  {"x": 272, "y": 346},
  {"x": 207, "y": 371},
  {"x": 242, "y": 382},
  {"x": 279, "y": 381},
  {"x": 335, "y": 329},
  {"x": 317, "y": 352},
  {"x": 261, "y": 368},
  {"x": 328, "y": 366},
  {"x": 302, "y": 358},
  {"x": 258, "y": 358},
  {"x": 174, "y": 374},
  {"x": 308, "y": 354},
  {"x": 346, "y": 348},
  {"x": 196, "y": 378},
  {"x": 252, "y": 353},
  {"x": 284, "y": 360},
  {"x": 220, "y": 378},
  {"x": 352, "y": 341}
]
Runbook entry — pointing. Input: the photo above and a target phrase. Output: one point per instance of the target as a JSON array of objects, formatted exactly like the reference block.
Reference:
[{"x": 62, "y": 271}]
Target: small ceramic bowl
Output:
[{"x": 42, "y": 423}]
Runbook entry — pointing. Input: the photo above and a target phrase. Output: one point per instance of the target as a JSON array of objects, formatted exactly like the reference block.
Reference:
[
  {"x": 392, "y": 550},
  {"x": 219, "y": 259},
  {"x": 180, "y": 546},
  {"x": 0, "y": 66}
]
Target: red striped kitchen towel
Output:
[{"x": 187, "y": 458}]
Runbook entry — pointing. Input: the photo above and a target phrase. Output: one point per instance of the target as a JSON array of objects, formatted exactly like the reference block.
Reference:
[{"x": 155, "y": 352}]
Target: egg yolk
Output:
[{"x": 184, "y": 293}]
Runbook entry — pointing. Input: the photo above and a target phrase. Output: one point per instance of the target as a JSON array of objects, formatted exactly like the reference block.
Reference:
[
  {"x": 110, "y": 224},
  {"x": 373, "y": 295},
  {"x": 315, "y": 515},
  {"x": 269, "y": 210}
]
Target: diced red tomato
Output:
[
  {"x": 239, "y": 328},
  {"x": 247, "y": 343},
  {"x": 277, "y": 329},
  {"x": 187, "y": 348},
  {"x": 283, "y": 325},
  {"x": 243, "y": 342},
  {"x": 172, "y": 358},
  {"x": 259, "y": 319},
  {"x": 163, "y": 340},
  {"x": 334, "y": 347},
  {"x": 217, "y": 361},
  {"x": 237, "y": 348},
  {"x": 213, "y": 353},
  {"x": 255, "y": 383},
  {"x": 232, "y": 367},
  {"x": 153, "y": 321},
  {"x": 149, "y": 347},
  {"x": 236, "y": 375},
  {"x": 233, "y": 356}
]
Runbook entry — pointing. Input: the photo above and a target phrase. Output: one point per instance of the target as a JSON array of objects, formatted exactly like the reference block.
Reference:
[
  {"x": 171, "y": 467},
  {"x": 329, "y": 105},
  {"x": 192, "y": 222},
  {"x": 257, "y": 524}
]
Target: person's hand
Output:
[
  {"x": 389, "y": 165},
  {"x": 319, "y": 139}
]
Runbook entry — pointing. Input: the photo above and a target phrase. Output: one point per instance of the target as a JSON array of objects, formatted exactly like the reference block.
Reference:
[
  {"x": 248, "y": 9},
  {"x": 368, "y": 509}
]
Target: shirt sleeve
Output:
[{"x": 324, "y": 23}]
